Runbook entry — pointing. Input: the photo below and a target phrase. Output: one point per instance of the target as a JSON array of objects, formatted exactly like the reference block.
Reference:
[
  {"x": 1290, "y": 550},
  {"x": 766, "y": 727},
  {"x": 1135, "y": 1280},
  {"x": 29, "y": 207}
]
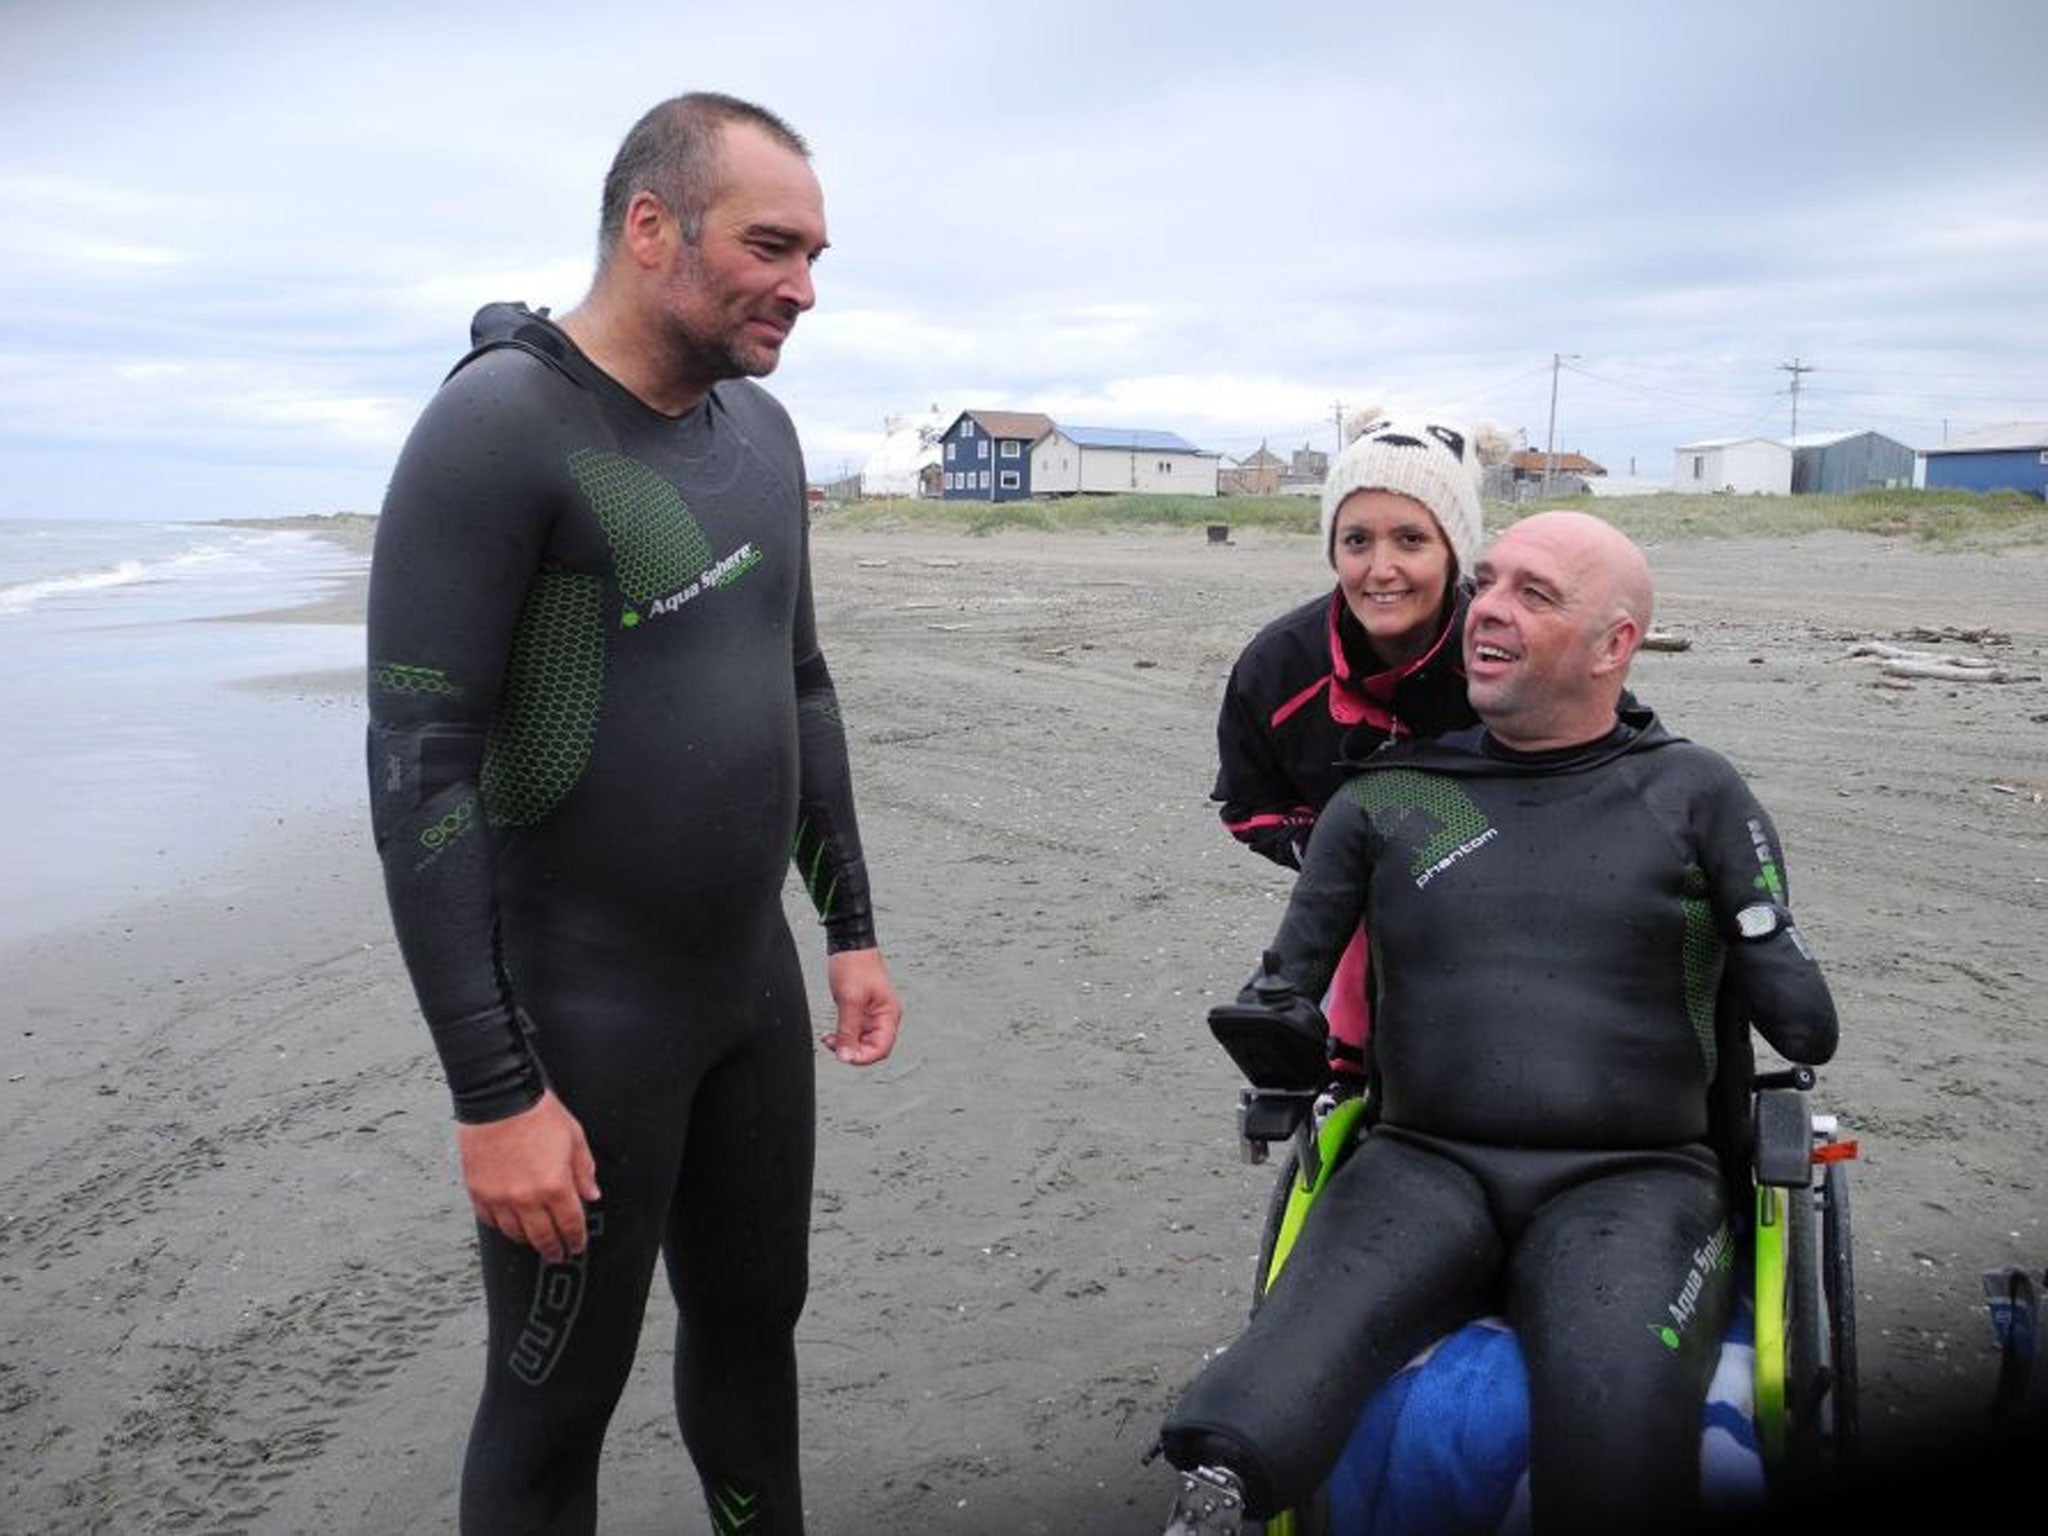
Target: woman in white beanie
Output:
[{"x": 1374, "y": 660}]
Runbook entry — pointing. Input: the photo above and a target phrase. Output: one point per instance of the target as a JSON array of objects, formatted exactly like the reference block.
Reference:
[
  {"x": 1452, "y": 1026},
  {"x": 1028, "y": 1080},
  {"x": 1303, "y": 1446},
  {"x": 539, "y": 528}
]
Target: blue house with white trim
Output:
[
  {"x": 2009, "y": 458},
  {"x": 986, "y": 455}
]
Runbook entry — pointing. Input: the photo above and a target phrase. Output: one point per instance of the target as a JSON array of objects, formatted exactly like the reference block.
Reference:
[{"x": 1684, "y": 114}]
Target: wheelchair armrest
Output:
[
  {"x": 1784, "y": 1138},
  {"x": 1274, "y": 1050}
]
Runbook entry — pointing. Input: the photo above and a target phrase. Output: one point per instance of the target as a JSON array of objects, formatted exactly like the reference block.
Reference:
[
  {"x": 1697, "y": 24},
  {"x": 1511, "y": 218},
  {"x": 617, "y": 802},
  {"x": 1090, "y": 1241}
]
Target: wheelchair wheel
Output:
[
  {"x": 1276, "y": 1216},
  {"x": 1806, "y": 1334},
  {"x": 1312, "y": 1519},
  {"x": 1286, "y": 1208},
  {"x": 1288, "y": 1205},
  {"x": 1839, "y": 1278}
]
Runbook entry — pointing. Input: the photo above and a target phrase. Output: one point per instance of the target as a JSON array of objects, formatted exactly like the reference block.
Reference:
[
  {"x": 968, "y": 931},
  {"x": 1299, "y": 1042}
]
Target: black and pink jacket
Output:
[{"x": 1299, "y": 703}]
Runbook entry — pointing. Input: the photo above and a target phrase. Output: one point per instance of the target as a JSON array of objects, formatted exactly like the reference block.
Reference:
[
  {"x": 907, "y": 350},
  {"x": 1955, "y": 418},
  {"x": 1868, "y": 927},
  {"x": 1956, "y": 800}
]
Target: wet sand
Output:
[{"x": 236, "y": 1264}]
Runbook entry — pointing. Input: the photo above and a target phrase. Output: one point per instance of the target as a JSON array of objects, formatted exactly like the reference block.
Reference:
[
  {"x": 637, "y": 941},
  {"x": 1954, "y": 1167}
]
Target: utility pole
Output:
[
  {"x": 1550, "y": 443},
  {"x": 1795, "y": 368}
]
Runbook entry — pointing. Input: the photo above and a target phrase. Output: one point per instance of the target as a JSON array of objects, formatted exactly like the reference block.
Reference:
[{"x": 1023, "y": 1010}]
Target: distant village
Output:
[{"x": 988, "y": 455}]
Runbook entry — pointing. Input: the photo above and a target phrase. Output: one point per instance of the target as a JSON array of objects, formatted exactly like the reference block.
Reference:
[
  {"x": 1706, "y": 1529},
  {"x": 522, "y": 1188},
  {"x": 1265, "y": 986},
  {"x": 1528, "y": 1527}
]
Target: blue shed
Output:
[
  {"x": 2008, "y": 458},
  {"x": 1842, "y": 463}
]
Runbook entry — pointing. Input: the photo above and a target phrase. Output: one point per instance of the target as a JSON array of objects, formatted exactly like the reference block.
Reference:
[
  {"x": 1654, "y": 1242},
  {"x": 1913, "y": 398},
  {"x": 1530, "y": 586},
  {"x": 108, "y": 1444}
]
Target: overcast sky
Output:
[{"x": 242, "y": 241}]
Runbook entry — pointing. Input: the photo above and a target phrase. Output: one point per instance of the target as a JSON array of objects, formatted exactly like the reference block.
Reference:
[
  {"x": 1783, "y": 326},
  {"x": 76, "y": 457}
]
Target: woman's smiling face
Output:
[{"x": 1393, "y": 566}]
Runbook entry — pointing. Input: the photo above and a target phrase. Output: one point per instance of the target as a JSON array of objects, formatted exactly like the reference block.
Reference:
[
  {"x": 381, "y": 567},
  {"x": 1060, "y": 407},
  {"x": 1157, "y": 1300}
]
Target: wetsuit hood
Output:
[
  {"x": 1475, "y": 751},
  {"x": 514, "y": 325}
]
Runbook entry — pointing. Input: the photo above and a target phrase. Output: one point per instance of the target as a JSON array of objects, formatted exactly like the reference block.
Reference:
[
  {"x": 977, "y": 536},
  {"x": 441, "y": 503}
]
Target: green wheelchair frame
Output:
[{"x": 1805, "y": 1384}]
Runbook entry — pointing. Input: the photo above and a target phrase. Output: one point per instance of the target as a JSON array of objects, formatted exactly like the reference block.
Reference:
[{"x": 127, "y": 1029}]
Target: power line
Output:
[
  {"x": 1486, "y": 396},
  {"x": 1922, "y": 373},
  {"x": 1850, "y": 392},
  {"x": 1713, "y": 409}
]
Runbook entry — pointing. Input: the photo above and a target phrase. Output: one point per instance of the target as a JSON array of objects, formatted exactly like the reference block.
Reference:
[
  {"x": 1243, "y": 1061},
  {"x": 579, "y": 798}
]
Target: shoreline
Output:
[
  {"x": 158, "y": 754},
  {"x": 347, "y": 604}
]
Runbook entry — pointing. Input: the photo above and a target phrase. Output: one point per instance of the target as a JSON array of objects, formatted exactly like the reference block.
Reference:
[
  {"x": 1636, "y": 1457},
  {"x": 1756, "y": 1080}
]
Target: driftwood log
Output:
[
  {"x": 1896, "y": 661},
  {"x": 1951, "y": 672},
  {"x": 1664, "y": 640},
  {"x": 1950, "y": 632}
]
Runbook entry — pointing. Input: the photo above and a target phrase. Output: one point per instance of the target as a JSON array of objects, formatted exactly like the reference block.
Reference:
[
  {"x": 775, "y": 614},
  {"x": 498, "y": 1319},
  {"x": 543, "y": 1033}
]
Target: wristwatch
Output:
[{"x": 1761, "y": 920}]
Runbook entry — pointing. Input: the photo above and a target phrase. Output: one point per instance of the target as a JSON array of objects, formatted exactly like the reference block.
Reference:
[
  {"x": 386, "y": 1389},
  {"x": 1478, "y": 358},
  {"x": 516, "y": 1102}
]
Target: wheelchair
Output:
[{"x": 1789, "y": 1176}]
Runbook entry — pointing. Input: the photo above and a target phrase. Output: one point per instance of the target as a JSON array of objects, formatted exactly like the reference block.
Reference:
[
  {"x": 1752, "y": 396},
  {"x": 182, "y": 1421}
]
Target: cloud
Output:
[
  {"x": 195, "y": 407},
  {"x": 1185, "y": 217},
  {"x": 123, "y": 255},
  {"x": 447, "y": 299},
  {"x": 33, "y": 194}
]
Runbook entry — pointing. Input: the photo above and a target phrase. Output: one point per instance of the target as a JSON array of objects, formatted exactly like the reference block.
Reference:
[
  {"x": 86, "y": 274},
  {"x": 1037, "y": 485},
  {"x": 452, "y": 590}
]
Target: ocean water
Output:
[{"x": 143, "y": 750}]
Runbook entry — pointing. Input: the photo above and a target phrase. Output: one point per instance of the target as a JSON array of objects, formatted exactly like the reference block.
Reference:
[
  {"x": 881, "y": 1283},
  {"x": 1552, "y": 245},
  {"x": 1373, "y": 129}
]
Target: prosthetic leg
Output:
[{"x": 1208, "y": 1503}]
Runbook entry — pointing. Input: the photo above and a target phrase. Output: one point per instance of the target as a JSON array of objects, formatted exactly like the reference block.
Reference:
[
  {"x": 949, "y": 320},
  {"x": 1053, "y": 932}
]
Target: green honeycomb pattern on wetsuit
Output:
[
  {"x": 1391, "y": 798},
  {"x": 546, "y": 720},
  {"x": 657, "y": 547},
  {"x": 397, "y": 677},
  {"x": 1702, "y": 949}
]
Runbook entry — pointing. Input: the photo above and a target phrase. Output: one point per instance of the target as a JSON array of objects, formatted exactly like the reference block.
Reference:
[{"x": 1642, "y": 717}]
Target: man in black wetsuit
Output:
[
  {"x": 1553, "y": 897},
  {"x": 601, "y": 728}
]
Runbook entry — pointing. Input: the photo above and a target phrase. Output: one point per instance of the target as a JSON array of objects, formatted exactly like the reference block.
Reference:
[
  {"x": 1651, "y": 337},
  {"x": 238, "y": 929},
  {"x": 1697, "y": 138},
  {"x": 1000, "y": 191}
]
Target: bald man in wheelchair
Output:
[{"x": 1554, "y": 898}]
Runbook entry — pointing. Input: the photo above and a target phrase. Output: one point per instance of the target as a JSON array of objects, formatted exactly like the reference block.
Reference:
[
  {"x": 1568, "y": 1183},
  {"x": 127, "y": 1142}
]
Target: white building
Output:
[
  {"x": 1742, "y": 464},
  {"x": 909, "y": 447},
  {"x": 1109, "y": 460}
]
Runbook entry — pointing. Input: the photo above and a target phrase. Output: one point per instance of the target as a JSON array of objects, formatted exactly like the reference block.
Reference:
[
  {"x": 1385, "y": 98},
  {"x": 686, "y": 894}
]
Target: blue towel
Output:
[{"x": 1444, "y": 1446}]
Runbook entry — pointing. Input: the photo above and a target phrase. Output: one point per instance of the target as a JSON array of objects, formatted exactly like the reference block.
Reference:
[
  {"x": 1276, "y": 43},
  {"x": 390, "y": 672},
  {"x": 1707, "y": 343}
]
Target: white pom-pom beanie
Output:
[{"x": 1440, "y": 465}]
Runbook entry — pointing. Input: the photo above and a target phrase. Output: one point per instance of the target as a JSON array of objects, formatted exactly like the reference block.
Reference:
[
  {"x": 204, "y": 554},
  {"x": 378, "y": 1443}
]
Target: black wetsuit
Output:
[
  {"x": 1307, "y": 693},
  {"x": 600, "y": 729},
  {"x": 1549, "y": 934}
]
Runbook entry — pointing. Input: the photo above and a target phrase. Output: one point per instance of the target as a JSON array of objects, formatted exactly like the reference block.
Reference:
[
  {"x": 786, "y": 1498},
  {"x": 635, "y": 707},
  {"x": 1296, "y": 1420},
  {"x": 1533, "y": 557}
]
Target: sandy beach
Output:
[{"x": 236, "y": 1262}]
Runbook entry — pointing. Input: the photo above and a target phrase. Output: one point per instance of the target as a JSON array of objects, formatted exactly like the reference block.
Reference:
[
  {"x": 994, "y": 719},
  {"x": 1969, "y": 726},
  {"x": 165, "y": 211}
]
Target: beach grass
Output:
[
  {"x": 1941, "y": 519},
  {"x": 1076, "y": 514},
  {"x": 1938, "y": 518}
]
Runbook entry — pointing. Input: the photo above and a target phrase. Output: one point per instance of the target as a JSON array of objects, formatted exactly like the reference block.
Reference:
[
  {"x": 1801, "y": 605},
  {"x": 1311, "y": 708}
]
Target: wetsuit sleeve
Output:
[
  {"x": 827, "y": 852},
  {"x": 1788, "y": 998},
  {"x": 1328, "y": 901},
  {"x": 463, "y": 527},
  {"x": 1261, "y": 807}
]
